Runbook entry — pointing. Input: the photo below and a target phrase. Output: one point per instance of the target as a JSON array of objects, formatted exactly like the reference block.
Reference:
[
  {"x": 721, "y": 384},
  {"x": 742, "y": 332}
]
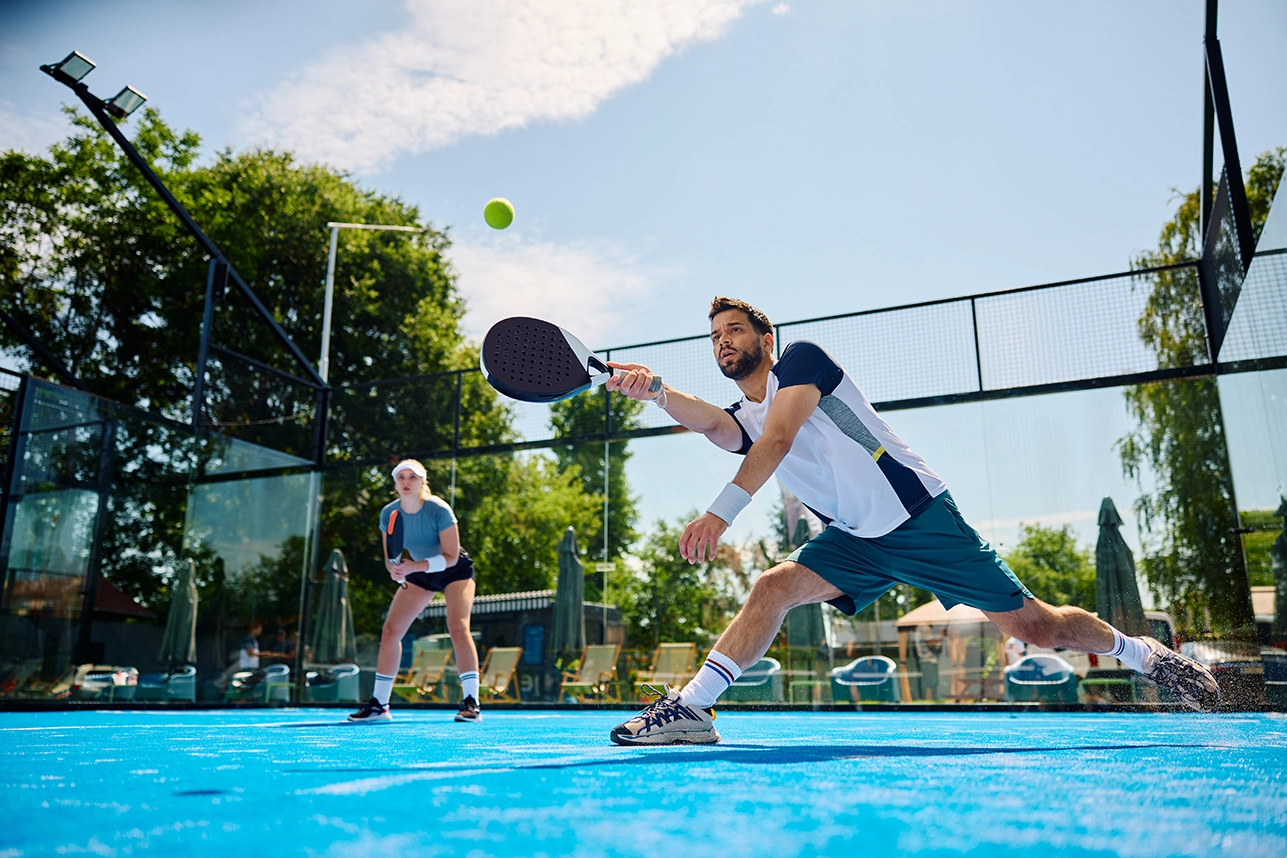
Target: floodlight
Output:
[
  {"x": 75, "y": 66},
  {"x": 124, "y": 102}
]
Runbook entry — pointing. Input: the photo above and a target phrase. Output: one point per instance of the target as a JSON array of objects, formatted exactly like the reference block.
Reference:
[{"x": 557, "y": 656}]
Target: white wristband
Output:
[
  {"x": 730, "y": 502},
  {"x": 437, "y": 563}
]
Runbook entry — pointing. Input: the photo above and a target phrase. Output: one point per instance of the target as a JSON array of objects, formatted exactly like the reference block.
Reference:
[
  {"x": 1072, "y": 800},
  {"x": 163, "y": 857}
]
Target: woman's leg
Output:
[
  {"x": 460, "y": 602},
  {"x": 407, "y": 605}
]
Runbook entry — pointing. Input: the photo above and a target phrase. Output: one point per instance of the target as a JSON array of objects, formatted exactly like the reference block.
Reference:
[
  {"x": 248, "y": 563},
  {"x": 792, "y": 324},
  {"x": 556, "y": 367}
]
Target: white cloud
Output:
[
  {"x": 780, "y": 9},
  {"x": 588, "y": 290},
  {"x": 460, "y": 69},
  {"x": 30, "y": 131}
]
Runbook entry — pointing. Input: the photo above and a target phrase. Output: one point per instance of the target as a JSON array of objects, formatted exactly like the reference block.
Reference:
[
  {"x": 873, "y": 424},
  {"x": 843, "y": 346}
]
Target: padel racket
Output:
[
  {"x": 393, "y": 539},
  {"x": 537, "y": 361}
]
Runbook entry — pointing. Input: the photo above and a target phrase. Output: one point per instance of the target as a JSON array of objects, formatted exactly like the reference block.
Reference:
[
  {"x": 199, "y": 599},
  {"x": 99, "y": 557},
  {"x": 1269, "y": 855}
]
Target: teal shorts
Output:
[{"x": 934, "y": 549}]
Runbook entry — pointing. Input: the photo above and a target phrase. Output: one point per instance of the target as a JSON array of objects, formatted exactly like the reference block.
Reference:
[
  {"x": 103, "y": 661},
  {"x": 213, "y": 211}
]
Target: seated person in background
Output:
[
  {"x": 1015, "y": 649},
  {"x": 248, "y": 655}
]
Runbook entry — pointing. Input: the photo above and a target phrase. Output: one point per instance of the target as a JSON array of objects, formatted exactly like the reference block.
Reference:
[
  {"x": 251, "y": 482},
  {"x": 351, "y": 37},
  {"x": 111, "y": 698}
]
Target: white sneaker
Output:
[
  {"x": 668, "y": 721},
  {"x": 372, "y": 710},
  {"x": 1183, "y": 677}
]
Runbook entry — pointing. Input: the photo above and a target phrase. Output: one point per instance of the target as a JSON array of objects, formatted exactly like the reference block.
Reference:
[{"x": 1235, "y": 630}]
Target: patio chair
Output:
[
  {"x": 1041, "y": 678},
  {"x": 867, "y": 679},
  {"x": 672, "y": 664},
  {"x": 17, "y": 675},
  {"x": 759, "y": 683},
  {"x": 596, "y": 675},
  {"x": 268, "y": 684},
  {"x": 497, "y": 678},
  {"x": 178, "y": 684},
  {"x": 424, "y": 680},
  {"x": 333, "y": 684}
]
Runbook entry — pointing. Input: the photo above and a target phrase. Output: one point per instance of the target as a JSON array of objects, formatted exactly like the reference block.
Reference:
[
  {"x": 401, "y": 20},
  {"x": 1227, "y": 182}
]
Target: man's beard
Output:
[{"x": 744, "y": 364}]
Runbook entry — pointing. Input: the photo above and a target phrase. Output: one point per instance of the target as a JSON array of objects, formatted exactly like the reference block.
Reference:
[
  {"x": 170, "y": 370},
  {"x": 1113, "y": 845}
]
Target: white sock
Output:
[
  {"x": 716, "y": 675},
  {"x": 383, "y": 688},
  {"x": 1130, "y": 651},
  {"x": 469, "y": 684}
]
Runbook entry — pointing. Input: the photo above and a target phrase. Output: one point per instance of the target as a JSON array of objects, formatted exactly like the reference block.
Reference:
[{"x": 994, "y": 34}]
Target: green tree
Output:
[
  {"x": 515, "y": 533},
  {"x": 95, "y": 265},
  {"x": 584, "y": 415},
  {"x": 1191, "y": 559},
  {"x": 1051, "y": 565},
  {"x": 669, "y": 599}
]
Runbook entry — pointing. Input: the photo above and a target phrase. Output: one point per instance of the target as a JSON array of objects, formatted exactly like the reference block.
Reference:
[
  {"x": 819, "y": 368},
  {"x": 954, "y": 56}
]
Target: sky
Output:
[{"x": 813, "y": 157}]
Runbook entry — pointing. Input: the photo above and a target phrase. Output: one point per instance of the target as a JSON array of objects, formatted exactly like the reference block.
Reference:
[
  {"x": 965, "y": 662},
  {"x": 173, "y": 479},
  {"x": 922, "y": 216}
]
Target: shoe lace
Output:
[{"x": 663, "y": 710}]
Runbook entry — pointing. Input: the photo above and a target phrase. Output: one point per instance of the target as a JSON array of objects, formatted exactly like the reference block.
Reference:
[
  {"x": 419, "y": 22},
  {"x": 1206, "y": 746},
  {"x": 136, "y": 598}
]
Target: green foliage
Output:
[
  {"x": 669, "y": 599},
  {"x": 103, "y": 274},
  {"x": 1265, "y": 528},
  {"x": 1191, "y": 560},
  {"x": 1051, "y": 565},
  {"x": 514, "y": 533},
  {"x": 584, "y": 415}
]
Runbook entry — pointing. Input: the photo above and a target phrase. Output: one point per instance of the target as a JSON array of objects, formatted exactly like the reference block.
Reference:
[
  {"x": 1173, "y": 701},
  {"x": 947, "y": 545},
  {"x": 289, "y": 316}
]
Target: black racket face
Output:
[
  {"x": 531, "y": 360},
  {"x": 393, "y": 536}
]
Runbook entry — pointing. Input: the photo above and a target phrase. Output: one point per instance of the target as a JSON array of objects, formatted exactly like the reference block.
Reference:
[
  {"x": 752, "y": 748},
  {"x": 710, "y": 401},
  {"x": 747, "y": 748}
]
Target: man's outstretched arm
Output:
[
  {"x": 791, "y": 407},
  {"x": 700, "y": 416}
]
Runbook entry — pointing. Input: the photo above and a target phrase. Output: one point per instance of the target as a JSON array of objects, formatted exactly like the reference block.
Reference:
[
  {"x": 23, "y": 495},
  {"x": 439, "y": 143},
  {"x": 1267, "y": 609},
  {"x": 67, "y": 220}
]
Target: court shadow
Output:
[
  {"x": 776, "y": 755},
  {"x": 766, "y": 755}
]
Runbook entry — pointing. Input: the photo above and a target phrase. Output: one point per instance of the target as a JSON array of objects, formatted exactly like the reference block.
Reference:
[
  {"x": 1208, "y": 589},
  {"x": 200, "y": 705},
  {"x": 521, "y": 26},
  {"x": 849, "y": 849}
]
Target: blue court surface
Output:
[{"x": 301, "y": 782}]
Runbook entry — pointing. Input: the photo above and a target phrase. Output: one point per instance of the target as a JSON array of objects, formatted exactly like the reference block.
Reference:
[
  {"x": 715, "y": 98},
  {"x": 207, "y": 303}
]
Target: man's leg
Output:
[
  {"x": 752, "y": 631},
  {"x": 685, "y": 717},
  {"x": 1049, "y": 626}
]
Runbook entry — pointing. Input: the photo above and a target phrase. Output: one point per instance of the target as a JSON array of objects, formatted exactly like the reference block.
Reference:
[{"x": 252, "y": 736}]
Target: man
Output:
[{"x": 889, "y": 519}]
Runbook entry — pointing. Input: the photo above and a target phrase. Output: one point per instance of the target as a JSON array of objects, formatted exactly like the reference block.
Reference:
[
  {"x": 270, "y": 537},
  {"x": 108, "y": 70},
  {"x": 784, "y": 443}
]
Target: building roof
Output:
[{"x": 497, "y": 603}]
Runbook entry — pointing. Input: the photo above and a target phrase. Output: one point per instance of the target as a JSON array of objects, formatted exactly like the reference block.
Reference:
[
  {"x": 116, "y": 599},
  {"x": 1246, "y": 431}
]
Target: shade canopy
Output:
[
  {"x": 569, "y": 599},
  {"x": 179, "y": 643},
  {"x": 333, "y": 640},
  {"x": 934, "y": 614},
  {"x": 1117, "y": 592}
]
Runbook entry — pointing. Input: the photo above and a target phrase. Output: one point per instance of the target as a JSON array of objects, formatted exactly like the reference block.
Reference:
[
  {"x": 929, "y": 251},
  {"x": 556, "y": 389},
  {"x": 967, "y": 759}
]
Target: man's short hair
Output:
[{"x": 759, "y": 321}]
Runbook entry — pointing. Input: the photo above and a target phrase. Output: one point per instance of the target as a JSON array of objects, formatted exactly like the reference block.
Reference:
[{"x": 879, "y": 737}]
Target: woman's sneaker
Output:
[
  {"x": 469, "y": 710},
  {"x": 1183, "y": 677},
  {"x": 372, "y": 710},
  {"x": 668, "y": 721}
]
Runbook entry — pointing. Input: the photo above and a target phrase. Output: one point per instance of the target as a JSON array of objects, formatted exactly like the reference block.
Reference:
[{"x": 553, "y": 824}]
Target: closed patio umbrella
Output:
[
  {"x": 179, "y": 643},
  {"x": 569, "y": 599},
  {"x": 333, "y": 640},
  {"x": 1117, "y": 591}
]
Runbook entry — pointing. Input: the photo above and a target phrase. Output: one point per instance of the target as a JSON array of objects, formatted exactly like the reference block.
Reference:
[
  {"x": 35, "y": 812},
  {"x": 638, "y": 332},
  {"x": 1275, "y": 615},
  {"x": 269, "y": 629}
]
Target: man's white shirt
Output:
[{"x": 846, "y": 464}]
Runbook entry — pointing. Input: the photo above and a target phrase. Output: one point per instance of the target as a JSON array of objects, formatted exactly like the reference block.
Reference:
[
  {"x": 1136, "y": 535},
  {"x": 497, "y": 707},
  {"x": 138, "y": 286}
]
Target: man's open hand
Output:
[{"x": 702, "y": 533}]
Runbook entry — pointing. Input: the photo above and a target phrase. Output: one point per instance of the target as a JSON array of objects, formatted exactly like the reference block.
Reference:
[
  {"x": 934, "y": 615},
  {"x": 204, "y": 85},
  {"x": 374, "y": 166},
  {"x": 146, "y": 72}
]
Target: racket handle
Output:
[{"x": 655, "y": 387}]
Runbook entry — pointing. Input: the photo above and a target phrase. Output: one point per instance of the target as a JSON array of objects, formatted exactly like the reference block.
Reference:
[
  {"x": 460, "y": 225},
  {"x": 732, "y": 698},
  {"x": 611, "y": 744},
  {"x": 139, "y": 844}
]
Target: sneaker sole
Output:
[
  {"x": 377, "y": 719},
  {"x": 460, "y": 720},
  {"x": 688, "y": 738}
]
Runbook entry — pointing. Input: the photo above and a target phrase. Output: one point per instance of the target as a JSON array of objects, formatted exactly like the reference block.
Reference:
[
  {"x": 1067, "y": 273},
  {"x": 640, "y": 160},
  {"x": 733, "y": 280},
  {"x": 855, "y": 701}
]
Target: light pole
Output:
[{"x": 324, "y": 366}]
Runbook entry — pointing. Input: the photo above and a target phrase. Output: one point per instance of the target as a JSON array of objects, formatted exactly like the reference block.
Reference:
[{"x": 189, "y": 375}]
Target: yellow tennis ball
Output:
[{"x": 498, "y": 213}]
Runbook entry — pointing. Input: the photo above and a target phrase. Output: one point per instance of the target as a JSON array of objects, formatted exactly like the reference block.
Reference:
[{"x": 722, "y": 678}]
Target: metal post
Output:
[
  {"x": 1208, "y": 123},
  {"x": 978, "y": 357},
  {"x": 106, "y": 456},
  {"x": 216, "y": 277},
  {"x": 455, "y": 442},
  {"x": 323, "y": 367}
]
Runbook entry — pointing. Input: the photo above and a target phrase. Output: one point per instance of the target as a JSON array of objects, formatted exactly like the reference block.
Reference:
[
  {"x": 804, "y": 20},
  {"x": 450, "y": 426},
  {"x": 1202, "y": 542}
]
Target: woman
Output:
[{"x": 437, "y": 564}]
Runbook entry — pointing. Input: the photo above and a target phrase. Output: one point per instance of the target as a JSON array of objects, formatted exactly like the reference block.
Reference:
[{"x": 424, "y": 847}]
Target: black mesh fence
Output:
[
  {"x": 1085, "y": 333},
  {"x": 1258, "y": 325},
  {"x": 247, "y": 399}
]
